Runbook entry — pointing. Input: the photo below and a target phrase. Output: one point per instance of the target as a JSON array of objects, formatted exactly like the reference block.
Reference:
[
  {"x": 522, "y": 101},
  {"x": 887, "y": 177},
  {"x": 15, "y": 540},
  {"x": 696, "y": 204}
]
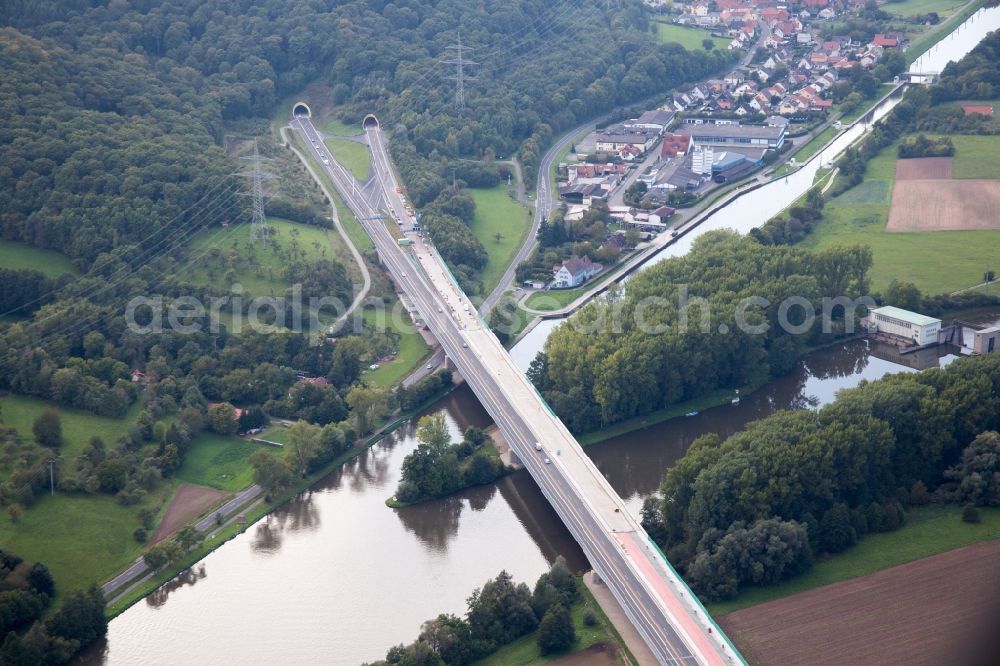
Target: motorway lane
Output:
[{"x": 592, "y": 519}]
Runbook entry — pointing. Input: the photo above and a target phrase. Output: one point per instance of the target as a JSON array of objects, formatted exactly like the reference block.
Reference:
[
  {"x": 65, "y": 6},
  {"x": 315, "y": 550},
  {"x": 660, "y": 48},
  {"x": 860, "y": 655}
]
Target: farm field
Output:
[
  {"x": 188, "y": 502},
  {"x": 860, "y": 216},
  {"x": 21, "y": 256},
  {"x": 497, "y": 212},
  {"x": 944, "y": 205},
  {"x": 927, "y": 612},
  {"x": 355, "y": 156},
  {"x": 976, "y": 157},
  {"x": 258, "y": 267},
  {"x": 689, "y": 38}
]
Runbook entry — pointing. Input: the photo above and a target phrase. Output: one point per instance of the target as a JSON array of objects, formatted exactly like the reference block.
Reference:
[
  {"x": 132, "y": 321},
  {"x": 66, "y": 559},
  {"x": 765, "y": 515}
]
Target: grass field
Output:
[
  {"x": 937, "y": 262},
  {"x": 20, "y": 412},
  {"x": 555, "y": 299},
  {"x": 913, "y": 7},
  {"x": 221, "y": 462},
  {"x": 929, "y": 38},
  {"x": 497, "y": 212},
  {"x": 814, "y": 144},
  {"x": 975, "y": 157},
  {"x": 412, "y": 351},
  {"x": 689, "y": 38},
  {"x": 524, "y": 651},
  {"x": 353, "y": 155},
  {"x": 340, "y": 128},
  {"x": 81, "y": 538},
  {"x": 262, "y": 276},
  {"x": 928, "y": 531},
  {"x": 23, "y": 256}
]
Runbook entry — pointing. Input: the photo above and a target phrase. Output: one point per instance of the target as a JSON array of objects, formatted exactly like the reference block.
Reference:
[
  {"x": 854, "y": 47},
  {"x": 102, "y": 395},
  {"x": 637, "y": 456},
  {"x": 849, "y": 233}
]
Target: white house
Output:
[
  {"x": 574, "y": 272},
  {"x": 921, "y": 329}
]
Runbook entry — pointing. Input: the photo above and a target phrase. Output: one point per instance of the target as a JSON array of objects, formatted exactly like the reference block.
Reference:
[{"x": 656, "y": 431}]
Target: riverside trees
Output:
[
  {"x": 678, "y": 331},
  {"x": 831, "y": 475}
]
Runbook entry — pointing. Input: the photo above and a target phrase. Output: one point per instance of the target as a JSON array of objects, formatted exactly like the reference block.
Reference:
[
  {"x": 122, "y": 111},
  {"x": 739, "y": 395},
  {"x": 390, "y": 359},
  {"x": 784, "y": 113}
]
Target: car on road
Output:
[
  {"x": 548, "y": 462},
  {"x": 440, "y": 310},
  {"x": 538, "y": 446},
  {"x": 466, "y": 345},
  {"x": 430, "y": 367}
]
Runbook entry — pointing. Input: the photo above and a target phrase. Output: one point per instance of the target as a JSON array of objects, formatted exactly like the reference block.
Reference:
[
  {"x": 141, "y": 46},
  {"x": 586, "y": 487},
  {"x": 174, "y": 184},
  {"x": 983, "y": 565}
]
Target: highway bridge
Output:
[{"x": 664, "y": 611}]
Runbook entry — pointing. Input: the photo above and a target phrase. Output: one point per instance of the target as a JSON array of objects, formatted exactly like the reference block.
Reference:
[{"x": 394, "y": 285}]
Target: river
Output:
[{"x": 337, "y": 577}]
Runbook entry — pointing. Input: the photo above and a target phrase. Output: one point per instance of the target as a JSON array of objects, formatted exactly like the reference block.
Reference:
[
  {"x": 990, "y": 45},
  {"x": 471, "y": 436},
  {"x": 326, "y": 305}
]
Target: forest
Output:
[
  {"x": 648, "y": 346},
  {"x": 759, "y": 506}
]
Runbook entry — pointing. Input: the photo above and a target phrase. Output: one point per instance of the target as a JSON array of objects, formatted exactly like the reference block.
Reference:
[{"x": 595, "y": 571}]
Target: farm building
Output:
[{"x": 896, "y": 322}]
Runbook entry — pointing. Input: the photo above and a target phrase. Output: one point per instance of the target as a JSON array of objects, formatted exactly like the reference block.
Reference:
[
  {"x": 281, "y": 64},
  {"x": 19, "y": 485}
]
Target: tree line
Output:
[
  {"x": 759, "y": 506},
  {"x": 674, "y": 332},
  {"x": 499, "y": 612}
]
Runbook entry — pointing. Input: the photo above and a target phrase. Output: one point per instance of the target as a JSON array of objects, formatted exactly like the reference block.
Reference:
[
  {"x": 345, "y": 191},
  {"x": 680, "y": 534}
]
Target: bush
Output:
[
  {"x": 970, "y": 514},
  {"x": 140, "y": 534},
  {"x": 589, "y": 617}
]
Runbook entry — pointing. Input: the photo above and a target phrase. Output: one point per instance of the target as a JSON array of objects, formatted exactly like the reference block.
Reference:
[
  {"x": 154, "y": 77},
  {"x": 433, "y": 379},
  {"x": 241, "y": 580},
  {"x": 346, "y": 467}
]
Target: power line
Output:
[
  {"x": 260, "y": 229},
  {"x": 460, "y": 62}
]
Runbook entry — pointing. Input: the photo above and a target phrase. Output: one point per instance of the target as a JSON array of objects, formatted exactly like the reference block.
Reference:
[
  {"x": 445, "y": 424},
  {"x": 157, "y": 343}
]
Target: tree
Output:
[
  {"x": 304, "y": 440},
  {"x": 40, "y": 580},
  {"x": 222, "y": 419},
  {"x": 268, "y": 472},
  {"x": 112, "y": 475},
  {"x": 163, "y": 554},
  {"x": 188, "y": 537},
  {"x": 252, "y": 417},
  {"x": 47, "y": 429},
  {"x": 707, "y": 44},
  {"x": 556, "y": 633},
  {"x": 903, "y": 295},
  {"x": 835, "y": 530},
  {"x": 14, "y": 512},
  {"x": 80, "y": 618},
  {"x": 432, "y": 430},
  {"x": 368, "y": 405},
  {"x": 976, "y": 477},
  {"x": 970, "y": 514}
]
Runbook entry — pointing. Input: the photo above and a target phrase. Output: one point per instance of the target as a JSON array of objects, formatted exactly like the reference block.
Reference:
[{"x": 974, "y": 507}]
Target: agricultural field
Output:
[
  {"x": 21, "y": 256},
  {"x": 926, "y": 612},
  {"x": 257, "y": 266},
  {"x": 498, "y": 213},
  {"x": 689, "y": 38},
  {"x": 355, "y": 156},
  {"x": 860, "y": 216},
  {"x": 976, "y": 157}
]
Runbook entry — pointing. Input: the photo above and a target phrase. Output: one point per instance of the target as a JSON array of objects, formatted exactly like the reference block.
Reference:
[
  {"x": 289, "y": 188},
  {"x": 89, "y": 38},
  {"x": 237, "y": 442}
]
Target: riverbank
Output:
[{"x": 251, "y": 511}]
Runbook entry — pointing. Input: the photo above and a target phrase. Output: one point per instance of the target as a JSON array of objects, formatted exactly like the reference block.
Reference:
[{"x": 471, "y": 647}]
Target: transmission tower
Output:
[
  {"x": 460, "y": 77},
  {"x": 260, "y": 229}
]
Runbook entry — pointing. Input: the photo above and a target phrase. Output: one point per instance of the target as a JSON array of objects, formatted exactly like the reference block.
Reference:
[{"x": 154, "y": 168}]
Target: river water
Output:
[{"x": 337, "y": 577}]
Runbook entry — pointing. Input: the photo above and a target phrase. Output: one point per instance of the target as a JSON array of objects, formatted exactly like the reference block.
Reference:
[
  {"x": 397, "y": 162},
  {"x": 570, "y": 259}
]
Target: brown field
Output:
[
  {"x": 924, "y": 168},
  {"x": 189, "y": 502},
  {"x": 943, "y": 609},
  {"x": 944, "y": 205}
]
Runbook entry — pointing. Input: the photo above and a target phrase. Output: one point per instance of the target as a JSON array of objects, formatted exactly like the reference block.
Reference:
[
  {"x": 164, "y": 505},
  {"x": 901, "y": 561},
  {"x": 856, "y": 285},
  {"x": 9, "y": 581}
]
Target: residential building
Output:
[{"x": 574, "y": 272}]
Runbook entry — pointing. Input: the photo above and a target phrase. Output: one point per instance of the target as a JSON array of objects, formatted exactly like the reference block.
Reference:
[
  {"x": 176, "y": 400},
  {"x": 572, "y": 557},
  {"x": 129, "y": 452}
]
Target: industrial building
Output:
[
  {"x": 731, "y": 134},
  {"x": 895, "y": 322}
]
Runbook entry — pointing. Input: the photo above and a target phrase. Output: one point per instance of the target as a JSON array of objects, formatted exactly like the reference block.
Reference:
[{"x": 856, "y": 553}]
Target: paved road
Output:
[
  {"x": 139, "y": 567},
  {"x": 546, "y": 199},
  {"x": 654, "y": 598}
]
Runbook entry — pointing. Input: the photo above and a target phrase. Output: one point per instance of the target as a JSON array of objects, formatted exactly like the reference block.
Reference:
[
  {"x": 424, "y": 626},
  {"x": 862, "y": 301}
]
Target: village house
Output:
[{"x": 574, "y": 272}]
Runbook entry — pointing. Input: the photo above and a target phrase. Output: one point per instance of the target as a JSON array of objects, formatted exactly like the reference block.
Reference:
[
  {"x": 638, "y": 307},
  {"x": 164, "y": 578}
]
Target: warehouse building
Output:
[
  {"x": 731, "y": 134},
  {"x": 917, "y": 328}
]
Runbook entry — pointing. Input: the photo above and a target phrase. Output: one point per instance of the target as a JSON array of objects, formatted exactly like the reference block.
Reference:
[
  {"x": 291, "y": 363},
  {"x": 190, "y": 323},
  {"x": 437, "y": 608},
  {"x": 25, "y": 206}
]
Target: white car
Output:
[
  {"x": 538, "y": 446},
  {"x": 548, "y": 462},
  {"x": 429, "y": 366}
]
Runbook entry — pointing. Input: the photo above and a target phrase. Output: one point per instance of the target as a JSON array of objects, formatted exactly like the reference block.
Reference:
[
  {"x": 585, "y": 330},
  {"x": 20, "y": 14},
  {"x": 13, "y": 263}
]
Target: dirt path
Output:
[
  {"x": 189, "y": 502},
  {"x": 943, "y": 609}
]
